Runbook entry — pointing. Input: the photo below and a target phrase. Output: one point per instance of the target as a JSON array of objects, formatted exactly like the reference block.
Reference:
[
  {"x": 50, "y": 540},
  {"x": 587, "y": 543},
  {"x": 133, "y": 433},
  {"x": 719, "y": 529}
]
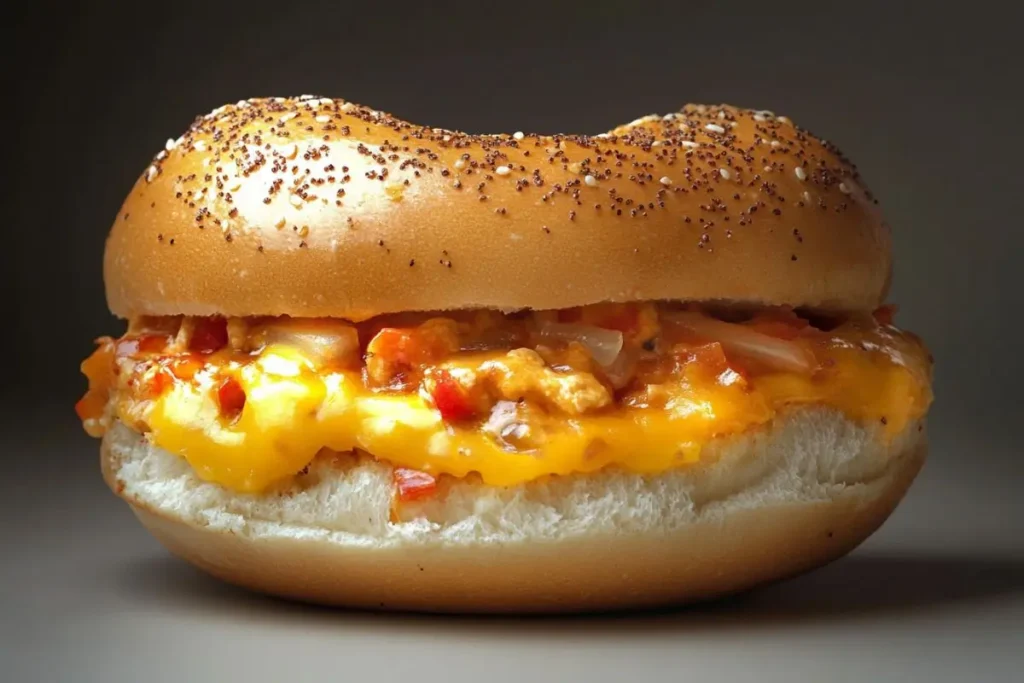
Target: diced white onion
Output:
[
  {"x": 507, "y": 427},
  {"x": 604, "y": 345},
  {"x": 745, "y": 342},
  {"x": 325, "y": 342},
  {"x": 622, "y": 370}
]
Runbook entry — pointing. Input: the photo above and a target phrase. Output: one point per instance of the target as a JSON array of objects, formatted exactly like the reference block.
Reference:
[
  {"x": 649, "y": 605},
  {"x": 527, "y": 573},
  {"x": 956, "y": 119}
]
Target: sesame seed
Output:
[
  {"x": 200, "y": 146},
  {"x": 347, "y": 106},
  {"x": 285, "y": 118},
  {"x": 782, "y": 119},
  {"x": 689, "y": 143},
  {"x": 235, "y": 185},
  {"x": 295, "y": 200},
  {"x": 291, "y": 151},
  {"x": 170, "y": 144},
  {"x": 714, "y": 128},
  {"x": 724, "y": 172},
  {"x": 503, "y": 170},
  {"x": 665, "y": 180},
  {"x": 590, "y": 180},
  {"x": 304, "y": 231},
  {"x": 807, "y": 196},
  {"x": 759, "y": 117},
  {"x": 775, "y": 143},
  {"x": 844, "y": 188},
  {"x": 323, "y": 118},
  {"x": 518, "y": 135},
  {"x": 460, "y": 164},
  {"x": 151, "y": 173},
  {"x": 801, "y": 174}
]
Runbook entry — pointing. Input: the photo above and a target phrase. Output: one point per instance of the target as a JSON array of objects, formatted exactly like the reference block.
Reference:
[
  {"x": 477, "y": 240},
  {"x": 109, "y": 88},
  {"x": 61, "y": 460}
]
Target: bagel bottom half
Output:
[{"x": 761, "y": 506}]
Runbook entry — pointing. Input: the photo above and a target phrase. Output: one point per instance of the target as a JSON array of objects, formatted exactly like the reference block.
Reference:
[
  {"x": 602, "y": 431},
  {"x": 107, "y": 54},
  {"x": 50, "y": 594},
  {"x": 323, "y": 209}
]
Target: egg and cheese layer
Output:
[{"x": 250, "y": 406}]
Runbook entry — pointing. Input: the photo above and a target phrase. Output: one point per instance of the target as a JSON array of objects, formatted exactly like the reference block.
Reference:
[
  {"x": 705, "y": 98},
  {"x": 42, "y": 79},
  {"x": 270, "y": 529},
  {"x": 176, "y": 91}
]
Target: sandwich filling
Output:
[{"x": 250, "y": 402}]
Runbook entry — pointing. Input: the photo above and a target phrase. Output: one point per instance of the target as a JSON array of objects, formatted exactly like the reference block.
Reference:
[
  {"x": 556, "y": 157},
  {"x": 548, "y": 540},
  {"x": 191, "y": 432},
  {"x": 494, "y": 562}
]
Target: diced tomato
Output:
[
  {"x": 413, "y": 484},
  {"x": 186, "y": 367},
  {"x": 230, "y": 396},
  {"x": 393, "y": 344},
  {"x": 885, "y": 315},
  {"x": 209, "y": 335},
  {"x": 396, "y": 352},
  {"x": 451, "y": 399},
  {"x": 159, "y": 382},
  {"x": 412, "y": 346}
]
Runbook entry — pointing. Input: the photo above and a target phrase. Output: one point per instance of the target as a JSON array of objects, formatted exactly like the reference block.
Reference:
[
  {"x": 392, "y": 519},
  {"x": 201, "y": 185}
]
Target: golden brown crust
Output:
[
  {"x": 319, "y": 207},
  {"x": 698, "y": 562}
]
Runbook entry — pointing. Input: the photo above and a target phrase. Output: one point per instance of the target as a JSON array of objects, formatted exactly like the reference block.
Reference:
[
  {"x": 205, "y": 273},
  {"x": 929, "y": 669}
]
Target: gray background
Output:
[{"x": 926, "y": 101}]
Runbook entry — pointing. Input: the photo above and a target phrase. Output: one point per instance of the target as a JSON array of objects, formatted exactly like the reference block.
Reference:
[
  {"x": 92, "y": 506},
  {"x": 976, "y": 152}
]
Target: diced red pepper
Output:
[
  {"x": 209, "y": 335},
  {"x": 230, "y": 397},
  {"x": 413, "y": 484},
  {"x": 451, "y": 399}
]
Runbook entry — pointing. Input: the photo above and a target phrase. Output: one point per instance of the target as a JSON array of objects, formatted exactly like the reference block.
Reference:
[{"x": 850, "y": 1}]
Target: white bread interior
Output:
[{"x": 761, "y": 506}]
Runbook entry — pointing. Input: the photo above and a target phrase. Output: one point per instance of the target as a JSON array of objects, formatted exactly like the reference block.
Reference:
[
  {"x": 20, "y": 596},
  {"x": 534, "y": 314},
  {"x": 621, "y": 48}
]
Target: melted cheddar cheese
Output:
[{"x": 293, "y": 408}]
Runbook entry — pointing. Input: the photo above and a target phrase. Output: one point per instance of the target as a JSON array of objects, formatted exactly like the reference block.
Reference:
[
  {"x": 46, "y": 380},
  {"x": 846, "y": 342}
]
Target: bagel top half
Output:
[{"x": 322, "y": 208}]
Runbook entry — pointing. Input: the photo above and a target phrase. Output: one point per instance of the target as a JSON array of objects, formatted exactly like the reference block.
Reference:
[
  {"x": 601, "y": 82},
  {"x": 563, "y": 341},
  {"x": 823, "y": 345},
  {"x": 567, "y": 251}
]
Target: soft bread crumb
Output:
[{"x": 809, "y": 455}]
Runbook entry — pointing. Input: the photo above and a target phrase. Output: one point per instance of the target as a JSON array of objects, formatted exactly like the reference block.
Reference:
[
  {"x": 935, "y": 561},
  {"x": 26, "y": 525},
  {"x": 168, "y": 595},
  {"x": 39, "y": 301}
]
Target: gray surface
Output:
[{"x": 936, "y": 595}]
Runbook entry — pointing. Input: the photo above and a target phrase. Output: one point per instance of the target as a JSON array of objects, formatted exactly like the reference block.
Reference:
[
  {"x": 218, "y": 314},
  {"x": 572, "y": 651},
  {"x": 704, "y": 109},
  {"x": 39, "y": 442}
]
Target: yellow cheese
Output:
[{"x": 292, "y": 411}]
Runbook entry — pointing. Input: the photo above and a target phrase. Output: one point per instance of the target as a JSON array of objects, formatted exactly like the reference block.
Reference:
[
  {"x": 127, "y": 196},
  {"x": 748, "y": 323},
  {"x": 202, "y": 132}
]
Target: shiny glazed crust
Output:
[
  {"x": 769, "y": 504},
  {"x": 319, "y": 207}
]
